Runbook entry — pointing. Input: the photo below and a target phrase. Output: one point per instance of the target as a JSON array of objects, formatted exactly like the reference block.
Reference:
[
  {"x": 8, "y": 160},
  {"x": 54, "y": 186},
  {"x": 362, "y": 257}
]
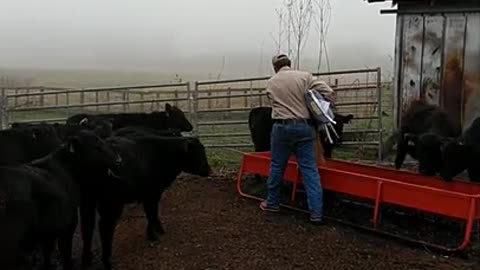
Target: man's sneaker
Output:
[
  {"x": 316, "y": 220},
  {"x": 264, "y": 207}
]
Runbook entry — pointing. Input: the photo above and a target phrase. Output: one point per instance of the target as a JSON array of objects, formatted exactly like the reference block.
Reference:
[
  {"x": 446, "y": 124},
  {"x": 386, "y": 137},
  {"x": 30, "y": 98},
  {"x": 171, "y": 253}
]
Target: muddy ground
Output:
[{"x": 210, "y": 227}]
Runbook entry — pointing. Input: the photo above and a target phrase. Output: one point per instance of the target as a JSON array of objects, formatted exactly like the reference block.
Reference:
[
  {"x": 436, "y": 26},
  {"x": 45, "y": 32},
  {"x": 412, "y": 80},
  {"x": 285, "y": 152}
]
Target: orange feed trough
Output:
[{"x": 458, "y": 200}]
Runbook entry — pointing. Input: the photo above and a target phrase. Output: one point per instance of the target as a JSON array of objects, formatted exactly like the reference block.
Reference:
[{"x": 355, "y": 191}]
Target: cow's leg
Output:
[
  {"x": 87, "y": 226},
  {"x": 65, "y": 243},
  {"x": 327, "y": 150},
  {"x": 47, "y": 250},
  {"x": 109, "y": 215},
  {"x": 402, "y": 148},
  {"x": 474, "y": 174},
  {"x": 154, "y": 227},
  {"x": 261, "y": 148}
]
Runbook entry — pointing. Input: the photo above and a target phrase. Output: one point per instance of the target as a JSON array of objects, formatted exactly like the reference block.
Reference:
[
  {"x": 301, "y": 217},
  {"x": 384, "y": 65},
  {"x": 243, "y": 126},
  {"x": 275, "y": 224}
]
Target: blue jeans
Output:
[{"x": 297, "y": 138}]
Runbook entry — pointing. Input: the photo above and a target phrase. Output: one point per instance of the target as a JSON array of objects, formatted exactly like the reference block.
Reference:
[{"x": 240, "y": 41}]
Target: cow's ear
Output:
[
  {"x": 443, "y": 145},
  {"x": 72, "y": 144},
  {"x": 34, "y": 133},
  {"x": 168, "y": 107},
  {"x": 84, "y": 121}
]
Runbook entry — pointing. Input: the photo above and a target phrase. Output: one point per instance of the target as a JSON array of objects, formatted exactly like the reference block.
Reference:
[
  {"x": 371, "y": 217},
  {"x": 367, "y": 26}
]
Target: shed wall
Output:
[{"x": 439, "y": 61}]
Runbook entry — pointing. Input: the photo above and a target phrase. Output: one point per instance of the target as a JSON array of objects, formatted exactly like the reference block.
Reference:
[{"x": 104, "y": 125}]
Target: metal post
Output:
[
  {"x": 260, "y": 98},
  {"x": 42, "y": 97},
  {"x": 229, "y": 98},
  {"x": 67, "y": 101},
  {"x": 96, "y": 101},
  {"x": 15, "y": 100},
  {"x": 128, "y": 99},
  {"x": 251, "y": 94},
  {"x": 175, "y": 103},
  {"x": 108, "y": 100},
  {"x": 209, "y": 101},
  {"x": 195, "y": 110},
  {"x": 379, "y": 111},
  {"x": 3, "y": 109},
  {"x": 245, "y": 98},
  {"x": 28, "y": 97},
  {"x": 189, "y": 102}
]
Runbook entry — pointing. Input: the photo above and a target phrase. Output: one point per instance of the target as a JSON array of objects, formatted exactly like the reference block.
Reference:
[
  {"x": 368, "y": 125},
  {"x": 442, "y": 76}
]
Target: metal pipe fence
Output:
[
  {"x": 222, "y": 108},
  {"x": 217, "y": 109},
  {"x": 57, "y": 104}
]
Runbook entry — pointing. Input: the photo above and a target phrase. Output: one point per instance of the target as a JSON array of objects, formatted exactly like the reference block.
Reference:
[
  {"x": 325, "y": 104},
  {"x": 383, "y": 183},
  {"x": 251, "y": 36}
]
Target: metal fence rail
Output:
[
  {"x": 57, "y": 104},
  {"x": 218, "y": 109}
]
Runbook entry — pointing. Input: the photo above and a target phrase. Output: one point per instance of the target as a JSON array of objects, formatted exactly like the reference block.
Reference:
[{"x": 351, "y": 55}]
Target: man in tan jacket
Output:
[{"x": 292, "y": 132}]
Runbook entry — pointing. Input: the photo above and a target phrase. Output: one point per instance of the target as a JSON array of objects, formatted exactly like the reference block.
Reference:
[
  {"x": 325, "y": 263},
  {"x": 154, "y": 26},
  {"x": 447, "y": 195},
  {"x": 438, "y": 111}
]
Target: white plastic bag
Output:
[{"x": 321, "y": 112}]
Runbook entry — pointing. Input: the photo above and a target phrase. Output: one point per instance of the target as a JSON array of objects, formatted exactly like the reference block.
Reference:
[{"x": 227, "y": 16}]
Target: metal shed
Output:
[{"x": 437, "y": 55}]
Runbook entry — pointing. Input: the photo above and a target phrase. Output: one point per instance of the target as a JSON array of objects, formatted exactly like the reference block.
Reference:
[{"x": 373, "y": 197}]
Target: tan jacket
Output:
[{"x": 286, "y": 90}]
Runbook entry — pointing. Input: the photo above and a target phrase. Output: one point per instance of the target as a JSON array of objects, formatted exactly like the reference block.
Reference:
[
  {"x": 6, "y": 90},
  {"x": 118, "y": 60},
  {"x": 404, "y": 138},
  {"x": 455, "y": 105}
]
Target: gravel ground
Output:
[{"x": 210, "y": 227}]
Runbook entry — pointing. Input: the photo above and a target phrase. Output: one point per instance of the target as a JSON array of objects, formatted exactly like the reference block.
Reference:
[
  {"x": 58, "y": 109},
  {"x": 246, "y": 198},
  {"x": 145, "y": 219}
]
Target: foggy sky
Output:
[{"x": 175, "y": 34}]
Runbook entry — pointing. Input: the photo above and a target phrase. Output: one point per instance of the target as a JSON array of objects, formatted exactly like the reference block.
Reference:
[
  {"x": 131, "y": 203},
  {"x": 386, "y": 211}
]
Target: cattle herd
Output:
[
  {"x": 52, "y": 174},
  {"x": 430, "y": 135}
]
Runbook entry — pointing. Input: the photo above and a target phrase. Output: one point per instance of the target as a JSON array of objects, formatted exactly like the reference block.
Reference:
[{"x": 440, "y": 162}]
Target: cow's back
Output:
[
  {"x": 260, "y": 124},
  {"x": 424, "y": 118}
]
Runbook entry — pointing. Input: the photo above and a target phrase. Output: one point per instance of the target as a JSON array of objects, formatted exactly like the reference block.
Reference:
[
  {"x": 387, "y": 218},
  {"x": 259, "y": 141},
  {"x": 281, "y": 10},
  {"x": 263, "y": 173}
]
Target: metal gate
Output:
[{"x": 221, "y": 108}]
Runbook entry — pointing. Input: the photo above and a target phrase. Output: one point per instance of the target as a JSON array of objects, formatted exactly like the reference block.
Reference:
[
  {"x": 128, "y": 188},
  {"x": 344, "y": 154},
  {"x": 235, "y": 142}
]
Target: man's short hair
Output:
[{"x": 280, "y": 61}]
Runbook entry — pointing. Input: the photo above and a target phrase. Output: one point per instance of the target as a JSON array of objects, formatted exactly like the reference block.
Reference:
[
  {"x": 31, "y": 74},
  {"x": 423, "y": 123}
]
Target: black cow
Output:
[
  {"x": 145, "y": 131},
  {"x": 260, "y": 124},
  {"x": 39, "y": 200},
  {"x": 150, "y": 165},
  {"x": 24, "y": 143},
  {"x": 171, "y": 118},
  {"x": 101, "y": 128},
  {"x": 420, "y": 135},
  {"x": 461, "y": 154}
]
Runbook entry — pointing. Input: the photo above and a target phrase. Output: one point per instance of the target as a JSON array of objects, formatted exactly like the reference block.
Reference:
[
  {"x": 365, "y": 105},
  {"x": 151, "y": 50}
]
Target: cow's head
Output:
[
  {"x": 101, "y": 127},
  {"x": 455, "y": 155},
  {"x": 426, "y": 148},
  {"x": 43, "y": 135},
  {"x": 196, "y": 161},
  {"x": 46, "y": 134},
  {"x": 89, "y": 152},
  {"x": 340, "y": 121},
  {"x": 177, "y": 119}
]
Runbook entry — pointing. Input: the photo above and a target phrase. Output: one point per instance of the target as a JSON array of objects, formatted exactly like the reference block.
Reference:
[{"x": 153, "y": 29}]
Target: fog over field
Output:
[{"x": 193, "y": 38}]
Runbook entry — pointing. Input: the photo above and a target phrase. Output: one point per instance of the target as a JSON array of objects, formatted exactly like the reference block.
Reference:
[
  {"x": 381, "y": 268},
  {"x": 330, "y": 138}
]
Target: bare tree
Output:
[
  {"x": 302, "y": 15},
  {"x": 288, "y": 21},
  {"x": 323, "y": 12},
  {"x": 278, "y": 38}
]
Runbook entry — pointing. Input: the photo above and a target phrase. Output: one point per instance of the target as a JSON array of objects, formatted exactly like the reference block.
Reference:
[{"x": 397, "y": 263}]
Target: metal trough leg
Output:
[
  {"x": 239, "y": 182},
  {"x": 468, "y": 226},
  {"x": 295, "y": 183},
  {"x": 377, "y": 204}
]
